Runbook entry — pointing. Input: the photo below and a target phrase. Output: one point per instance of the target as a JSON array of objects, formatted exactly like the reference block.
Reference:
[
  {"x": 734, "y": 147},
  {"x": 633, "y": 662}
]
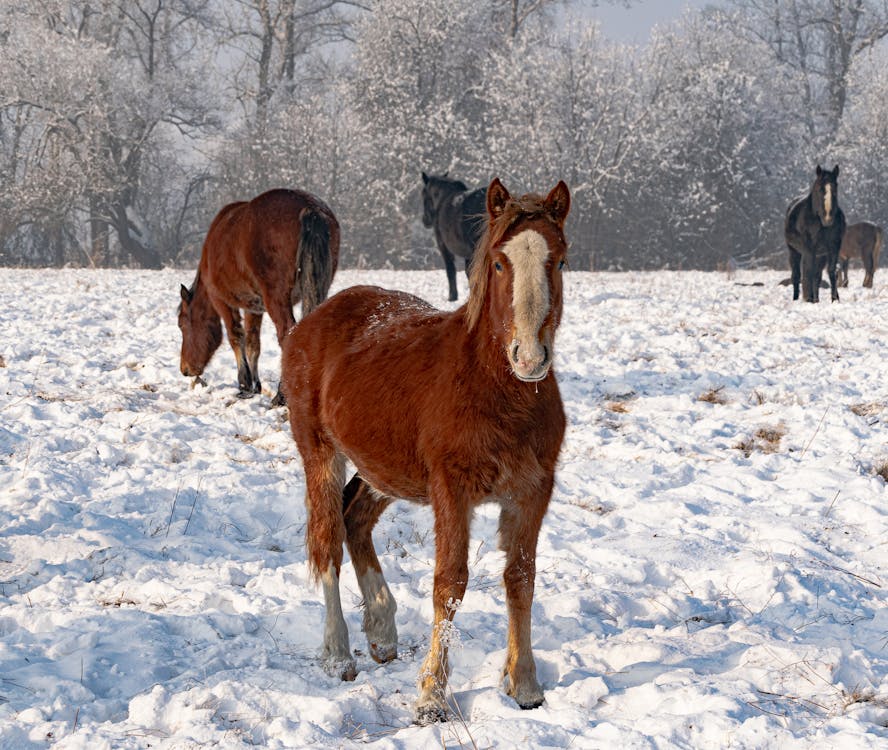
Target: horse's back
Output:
[
  {"x": 356, "y": 320},
  {"x": 359, "y": 358},
  {"x": 861, "y": 237}
]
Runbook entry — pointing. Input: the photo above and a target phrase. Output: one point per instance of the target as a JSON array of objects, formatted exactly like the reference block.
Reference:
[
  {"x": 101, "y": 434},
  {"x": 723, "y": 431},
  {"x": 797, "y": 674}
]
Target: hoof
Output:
[
  {"x": 344, "y": 669},
  {"x": 242, "y": 393},
  {"x": 279, "y": 400},
  {"x": 529, "y": 704},
  {"x": 527, "y": 696},
  {"x": 382, "y": 653},
  {"x": 430, "y": 713}
]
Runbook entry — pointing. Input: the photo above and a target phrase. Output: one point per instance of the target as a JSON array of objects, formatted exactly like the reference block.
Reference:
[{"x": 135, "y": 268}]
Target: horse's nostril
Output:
[
  {"x": 545, "y": 354},
  {"x": 513, "y": 352}
]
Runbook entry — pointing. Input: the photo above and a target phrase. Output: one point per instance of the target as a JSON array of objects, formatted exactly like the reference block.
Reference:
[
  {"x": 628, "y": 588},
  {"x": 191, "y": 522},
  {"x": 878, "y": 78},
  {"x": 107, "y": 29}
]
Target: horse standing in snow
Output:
[
  {"x": 457, "y": 215},
  {"x": 259, "y": 256},
  {"x": 813, "y": 229},
  {"x": 447, "y": 409},
  {"x": 862, "y": 240}
]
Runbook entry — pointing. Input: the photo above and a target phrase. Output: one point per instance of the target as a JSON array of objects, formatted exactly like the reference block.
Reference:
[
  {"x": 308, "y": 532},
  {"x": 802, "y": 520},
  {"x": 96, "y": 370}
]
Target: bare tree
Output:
[{"x": 819, "y": 40}]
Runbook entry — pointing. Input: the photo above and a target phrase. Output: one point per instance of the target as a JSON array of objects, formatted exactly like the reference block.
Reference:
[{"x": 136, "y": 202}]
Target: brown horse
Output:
[
  {"x": 449, "y": 409},
  {"x": 259, "y": 256},
  {"x": 862, "y": 240}
]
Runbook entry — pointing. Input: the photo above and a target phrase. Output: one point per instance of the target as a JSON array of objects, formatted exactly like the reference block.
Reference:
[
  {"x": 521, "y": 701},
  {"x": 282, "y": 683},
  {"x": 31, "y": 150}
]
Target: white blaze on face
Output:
[
  {"x": 527, "y": 252},
  {"x": 827, "y": 200}
]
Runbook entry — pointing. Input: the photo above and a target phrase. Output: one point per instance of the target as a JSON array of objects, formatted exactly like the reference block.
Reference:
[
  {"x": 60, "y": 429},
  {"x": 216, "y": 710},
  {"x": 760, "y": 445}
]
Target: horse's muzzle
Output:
[{"x": 530, "y": 366}]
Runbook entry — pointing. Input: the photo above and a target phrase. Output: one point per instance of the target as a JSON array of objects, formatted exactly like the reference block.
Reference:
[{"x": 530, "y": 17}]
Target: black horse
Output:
[
  {"x": 814, "y": 228},
  {"x": 458, "y": 216}
]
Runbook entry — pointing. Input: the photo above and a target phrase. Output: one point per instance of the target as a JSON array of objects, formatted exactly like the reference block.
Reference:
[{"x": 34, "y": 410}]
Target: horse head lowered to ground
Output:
[
  {"x": 451, "y": 409},
  {"x": 260, "y": 256}
]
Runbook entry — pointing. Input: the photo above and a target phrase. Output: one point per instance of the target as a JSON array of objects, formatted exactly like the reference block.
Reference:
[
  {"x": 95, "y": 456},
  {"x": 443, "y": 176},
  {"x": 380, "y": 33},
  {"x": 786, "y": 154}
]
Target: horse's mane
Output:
[
  {"x": 525, "y": 207},
  {"x": 449, "y": 182}
]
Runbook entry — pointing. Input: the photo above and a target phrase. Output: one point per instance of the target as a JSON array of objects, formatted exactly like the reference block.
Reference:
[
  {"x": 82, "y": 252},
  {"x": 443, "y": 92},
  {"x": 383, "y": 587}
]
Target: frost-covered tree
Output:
[
  {"x": 132, "y": 90},
  {"x": 719, "y": 152},
  {"x": 818, "y": 41},
  {"x": 862, "y": 142},
  {"x": 418, "y": 71}
]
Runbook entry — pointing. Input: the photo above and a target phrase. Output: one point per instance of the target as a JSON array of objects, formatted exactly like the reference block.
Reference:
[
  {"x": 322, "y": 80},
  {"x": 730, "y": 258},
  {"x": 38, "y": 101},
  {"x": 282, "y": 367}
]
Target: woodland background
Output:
[{"x": 126, "y": 124}]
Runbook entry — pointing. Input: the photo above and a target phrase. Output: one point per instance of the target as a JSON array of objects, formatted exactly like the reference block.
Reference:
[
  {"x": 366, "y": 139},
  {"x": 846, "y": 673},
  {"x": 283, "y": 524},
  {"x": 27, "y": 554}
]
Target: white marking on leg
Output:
[
  {"x": 379, "y": 616},
  {"x": 338, "y": 660}
]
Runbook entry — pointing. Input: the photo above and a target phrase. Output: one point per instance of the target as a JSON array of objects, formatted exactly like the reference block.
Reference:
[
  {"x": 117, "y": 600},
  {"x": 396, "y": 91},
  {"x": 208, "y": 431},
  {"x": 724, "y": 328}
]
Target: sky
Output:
[{"x": 633, "y": 24}]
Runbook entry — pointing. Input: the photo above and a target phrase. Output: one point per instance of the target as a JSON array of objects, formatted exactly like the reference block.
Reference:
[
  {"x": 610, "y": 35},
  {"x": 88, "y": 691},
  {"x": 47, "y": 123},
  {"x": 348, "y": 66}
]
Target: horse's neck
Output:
[{"x": 201, "y": 299}]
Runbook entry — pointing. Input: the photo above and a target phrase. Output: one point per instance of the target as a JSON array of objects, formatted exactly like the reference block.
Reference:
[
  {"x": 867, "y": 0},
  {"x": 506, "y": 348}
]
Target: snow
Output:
[{"x": 711, "y": 572}]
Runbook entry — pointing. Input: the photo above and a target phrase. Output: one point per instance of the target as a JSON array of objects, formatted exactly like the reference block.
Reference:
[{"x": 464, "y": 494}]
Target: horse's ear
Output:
[
  {"x": 497, "y": 197},
  {"x": 185, "y": 293},
  {"x": 558, "y": 202},
  {"x": 819, "y": 171},
  {"x": 836, "y": 170},
  {"x": 425, "y": 178}
]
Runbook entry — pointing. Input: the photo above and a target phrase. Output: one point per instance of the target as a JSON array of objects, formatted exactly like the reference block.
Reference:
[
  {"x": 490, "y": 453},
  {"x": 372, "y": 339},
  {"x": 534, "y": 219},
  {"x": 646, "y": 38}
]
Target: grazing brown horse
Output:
[
  {"x": 449, "y": 409},
  {"x": 813, "y": 230},
  {"x": 259, "y": 256},
  {"x": 862, "y": 240}
]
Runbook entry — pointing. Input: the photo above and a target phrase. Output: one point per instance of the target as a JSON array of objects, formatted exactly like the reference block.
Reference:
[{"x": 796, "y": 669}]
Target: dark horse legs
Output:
[
  {"x": 795, "y": 264},
  {"x": 808, "y": 269},
  {"x": 450, "y": 267}
]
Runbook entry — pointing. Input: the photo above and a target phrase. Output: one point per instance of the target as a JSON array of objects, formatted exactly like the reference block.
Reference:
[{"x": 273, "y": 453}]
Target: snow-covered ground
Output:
[{"x": 711, "y": 573}]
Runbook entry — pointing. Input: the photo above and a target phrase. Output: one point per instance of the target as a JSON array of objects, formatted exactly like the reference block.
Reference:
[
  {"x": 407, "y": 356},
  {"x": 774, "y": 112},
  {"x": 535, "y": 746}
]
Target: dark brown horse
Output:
[
  {"x": 259, "y": 256},
  {"x": 449, "y": 409},
  {"x": 457, "y": 215},
  {"x": 862, "y": 240},
  {"x": 813, "y": 229}
]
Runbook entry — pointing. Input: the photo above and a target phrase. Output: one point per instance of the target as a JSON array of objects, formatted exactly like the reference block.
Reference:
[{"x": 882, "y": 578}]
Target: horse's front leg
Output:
[
  {"x": 452, "y": 520},
  {"x": 520, "y": 522},
  {"x": 795, "y": 260},
  {"x": 231, "y": 318},
  {"x": 362, "y": 508},
  {"x": 253, "y": 326},
  {"x": 809, "y": 288},
  {"x": 831, "y": 262}
]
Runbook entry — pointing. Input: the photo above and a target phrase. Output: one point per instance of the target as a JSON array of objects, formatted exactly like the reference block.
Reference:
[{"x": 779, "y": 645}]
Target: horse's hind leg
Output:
[
  {"x": 519, "y": 530},
  {"x": 253, "y": 330},
  {"x": 868, "y": 266},
  {"x": 281, "y": 313},
  {"x": 362, "y": 508},
  {"x": 325, "y": 533},
  {"x": 874, "y": 257}
]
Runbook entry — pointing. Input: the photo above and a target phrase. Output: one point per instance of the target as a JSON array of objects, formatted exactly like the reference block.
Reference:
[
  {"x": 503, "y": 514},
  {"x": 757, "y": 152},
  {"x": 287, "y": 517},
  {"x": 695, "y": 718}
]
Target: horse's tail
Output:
[{"x": 317, "y": 261}]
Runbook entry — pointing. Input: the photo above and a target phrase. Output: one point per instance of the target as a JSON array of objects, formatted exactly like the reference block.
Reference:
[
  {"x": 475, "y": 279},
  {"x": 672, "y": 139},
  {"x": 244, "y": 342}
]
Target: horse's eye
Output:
[
  {"x": 561, "y": 264},
  {"x": 498, "y": 266}
]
